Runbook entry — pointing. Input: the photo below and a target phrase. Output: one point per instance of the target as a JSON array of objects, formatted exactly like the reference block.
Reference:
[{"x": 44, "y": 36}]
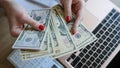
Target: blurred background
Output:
[{"x": 6, "y": 41}]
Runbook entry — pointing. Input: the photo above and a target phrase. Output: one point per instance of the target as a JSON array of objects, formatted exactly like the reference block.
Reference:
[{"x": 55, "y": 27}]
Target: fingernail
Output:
[
  {"x": 41, "y": 27},
  {"x": 68, "y": 19},
  {"x": 73, "y": 32}
]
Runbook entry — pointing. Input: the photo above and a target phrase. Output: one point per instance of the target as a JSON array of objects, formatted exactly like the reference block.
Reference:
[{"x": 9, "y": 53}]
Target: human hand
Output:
[
  {"x": 17, "y": 17},
  {"x": 75, "y": 6}
]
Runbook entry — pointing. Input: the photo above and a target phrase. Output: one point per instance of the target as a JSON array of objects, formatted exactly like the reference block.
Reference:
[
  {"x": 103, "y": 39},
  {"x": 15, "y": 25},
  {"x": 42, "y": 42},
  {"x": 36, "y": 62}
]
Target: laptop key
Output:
[
  {"x": 83, "y": 60},
  {"x": 111, "y": 35},
  {"x": 98, "y": 35},
  {"x": 68, "y": 59},
  {"x": 113, "y": 11},
  {"x": 75, "y": 61},
  {"x": 117, "y": 28},
  {"x": 95, "y": 54},
  {"x": 110, "y": 44},
  {"x": 114, "y": 32},
  {"x": 119, "y": 41},
  {"x": 109, "y": 53},
  {"x": 119, "y": 34},
  {"x": 81, "y": 55},
  {"x": 98, "y": 51},
  {"x": 104, "y": 52},
  {"x": 107, "y": 33},
  {"x": 73, "y": 56},
  {"x": 107, "y": 25},
  {"x": 97, "y": 28},
  {"x": 78, "y": 65},
  {"x": 101, "y": 56},
  {"x": 88, "y": 47},
  {"x": 84, "y": 66},
  {"x": 113, "y": 26},
  {"x": 110, "y": 21},
  {"x": 97, "y": 60},
  {"x": 100, "y": 40},
  {"x": 115, "y": 45},
  {"x": 102, "y": 61},
  {"x": 103, "y": 37},
  {"x": 94, "y": 64},
  {"x": 94, "y": 48},
  {"x": 110, "y": 14},
  {"x": 97, "y": 44},
  {"x": 92, "y": 59},
  {"x": 109, "y": 29},
  {"x": 113, "y": 49},
  {"x": 114, "y": 41},
  {"x": 88, "y": 63},
  {"x": 105, "y": 57},
  {"x": 115, "y": 16},
  {"x": 101, "y": 47},
  {"x": 107, "y": 49},
  {"x": 87, "y": 56},
  {"x": 117, "y": 37},
  {"x": 116, "y": 22},
  {"x": 105, "y": 43},
  {"x": 108, "y": 39},
  {"x": 84, "y": 50},
  {"x": 99, "y": 66},
  {"x": 90, "y": 52},
  {"x": 104, "y": 28},
  {"x": 101, "y": 32},
  {"x": 107, "y": 17},
  {"x": 118, "y": 19}
]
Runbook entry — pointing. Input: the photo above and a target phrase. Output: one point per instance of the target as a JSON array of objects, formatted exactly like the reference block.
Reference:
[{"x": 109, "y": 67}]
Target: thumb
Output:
[
  {"x": 77, "y": 22},
  {"x": 67, "y": 9}
]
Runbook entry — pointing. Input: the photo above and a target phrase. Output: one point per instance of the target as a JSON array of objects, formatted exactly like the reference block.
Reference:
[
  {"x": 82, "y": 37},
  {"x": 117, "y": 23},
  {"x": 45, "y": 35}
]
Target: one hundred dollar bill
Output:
[{"x": 31, "y": 38}]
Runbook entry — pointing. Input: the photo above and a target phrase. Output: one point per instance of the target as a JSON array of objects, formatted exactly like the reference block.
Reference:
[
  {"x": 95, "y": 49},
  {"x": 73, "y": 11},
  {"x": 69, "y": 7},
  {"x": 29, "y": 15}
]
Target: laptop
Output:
[{"x": 102, "y": 18}]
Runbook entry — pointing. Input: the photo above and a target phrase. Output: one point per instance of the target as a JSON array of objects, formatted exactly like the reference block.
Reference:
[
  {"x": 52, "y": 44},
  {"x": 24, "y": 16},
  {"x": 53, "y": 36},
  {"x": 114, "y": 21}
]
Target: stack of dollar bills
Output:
[{"x": 56, "y": 40}]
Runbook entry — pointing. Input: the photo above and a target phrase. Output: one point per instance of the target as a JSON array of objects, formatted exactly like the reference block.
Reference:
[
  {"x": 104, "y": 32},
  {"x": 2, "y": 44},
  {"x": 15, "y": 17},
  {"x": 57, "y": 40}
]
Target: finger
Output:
[
  {"x": 15, "y": 27},
  {"x": 79, "y": 15},
  {"x": 77, "y": 21},
  {"x": 76, "y": 7},
  {"x": 27, "y": 19},
  {"x": 67, "y": 10}
]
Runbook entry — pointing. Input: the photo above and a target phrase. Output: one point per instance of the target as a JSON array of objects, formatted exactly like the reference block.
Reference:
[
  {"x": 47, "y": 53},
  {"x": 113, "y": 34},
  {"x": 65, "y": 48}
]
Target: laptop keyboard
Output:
[{"x": 95, "y": 54}]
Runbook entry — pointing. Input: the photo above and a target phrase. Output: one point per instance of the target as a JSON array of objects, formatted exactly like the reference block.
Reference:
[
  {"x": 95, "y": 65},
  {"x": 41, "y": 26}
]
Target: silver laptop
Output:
[{"x": 102, "y": 18}]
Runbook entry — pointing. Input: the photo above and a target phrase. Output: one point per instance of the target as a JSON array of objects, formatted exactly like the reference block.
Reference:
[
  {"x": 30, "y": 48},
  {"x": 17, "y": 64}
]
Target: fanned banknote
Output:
[{"x": 31, "y": 38}]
